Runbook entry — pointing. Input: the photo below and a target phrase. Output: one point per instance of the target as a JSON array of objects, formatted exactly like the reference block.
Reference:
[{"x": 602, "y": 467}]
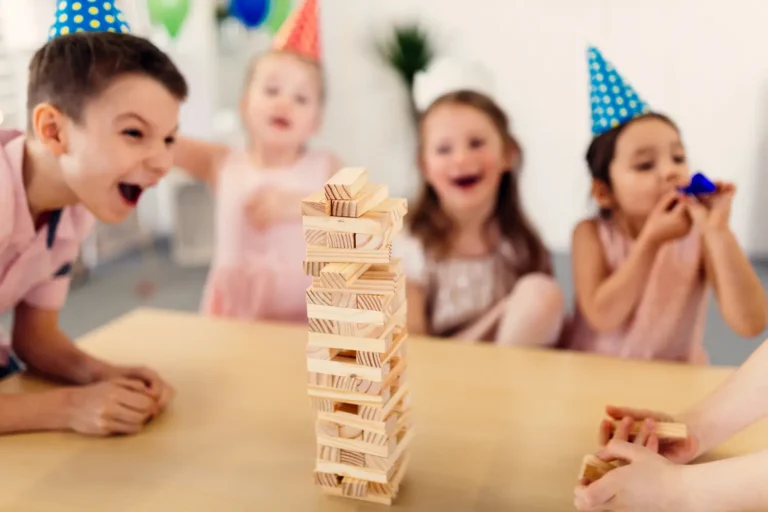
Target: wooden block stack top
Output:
[{"x": 357, "y": 337}]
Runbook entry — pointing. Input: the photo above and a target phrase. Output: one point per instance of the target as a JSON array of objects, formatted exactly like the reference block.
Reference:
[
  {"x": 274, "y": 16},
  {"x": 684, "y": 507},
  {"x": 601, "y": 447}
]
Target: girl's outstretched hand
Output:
[
  {"x": 678, "y": 452},
  {"x": 712, "y": 211}
]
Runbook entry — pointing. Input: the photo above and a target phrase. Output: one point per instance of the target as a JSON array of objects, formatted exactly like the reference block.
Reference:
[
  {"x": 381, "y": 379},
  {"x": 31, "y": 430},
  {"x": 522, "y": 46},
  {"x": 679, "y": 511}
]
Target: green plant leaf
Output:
[{"x": 408, "y": 50}]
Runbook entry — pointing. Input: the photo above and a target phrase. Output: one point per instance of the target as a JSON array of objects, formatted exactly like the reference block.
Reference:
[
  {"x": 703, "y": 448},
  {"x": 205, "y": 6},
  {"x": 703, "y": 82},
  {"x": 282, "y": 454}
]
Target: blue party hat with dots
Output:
[
  {"x": 87, "y": 16},
  {"x": 614, "y": 101}
]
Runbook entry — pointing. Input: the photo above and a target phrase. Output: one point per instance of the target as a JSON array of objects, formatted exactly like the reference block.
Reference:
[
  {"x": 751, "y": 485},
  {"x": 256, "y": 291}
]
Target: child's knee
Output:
[{"x": 543, "y": 291}]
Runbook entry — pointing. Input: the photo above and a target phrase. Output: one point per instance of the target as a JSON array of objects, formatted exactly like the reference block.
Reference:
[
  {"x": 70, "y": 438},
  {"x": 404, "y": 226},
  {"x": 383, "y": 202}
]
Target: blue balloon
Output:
[{"x": 251, "y": 12}]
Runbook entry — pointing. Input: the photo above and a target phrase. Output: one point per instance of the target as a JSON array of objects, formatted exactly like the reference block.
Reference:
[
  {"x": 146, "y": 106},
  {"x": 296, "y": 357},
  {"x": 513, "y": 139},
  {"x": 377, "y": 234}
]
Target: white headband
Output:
[{"x": 447, "y": 74}]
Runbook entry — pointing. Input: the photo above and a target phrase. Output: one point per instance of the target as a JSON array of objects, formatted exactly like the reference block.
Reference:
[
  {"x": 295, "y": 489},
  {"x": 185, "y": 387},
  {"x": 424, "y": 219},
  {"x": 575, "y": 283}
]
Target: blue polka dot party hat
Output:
[
  {"x": 87, "y": 16},
  {"x": 614, "y": 101}
]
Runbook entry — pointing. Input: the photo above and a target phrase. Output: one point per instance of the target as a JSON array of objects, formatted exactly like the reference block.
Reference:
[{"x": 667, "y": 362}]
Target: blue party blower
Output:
[{"x": 699, "y": 185}]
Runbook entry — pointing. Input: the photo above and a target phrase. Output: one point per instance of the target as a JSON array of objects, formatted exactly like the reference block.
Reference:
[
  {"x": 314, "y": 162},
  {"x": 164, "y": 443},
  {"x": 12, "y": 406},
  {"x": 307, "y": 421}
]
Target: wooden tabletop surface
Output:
[{"x": 496, "y": 429}]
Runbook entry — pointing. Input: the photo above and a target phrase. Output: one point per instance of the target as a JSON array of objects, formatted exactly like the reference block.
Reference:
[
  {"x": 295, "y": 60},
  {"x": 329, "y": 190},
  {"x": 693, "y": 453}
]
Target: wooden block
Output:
[
  {"x": 371, "y": 195},
  {"x": 341, "y": 275},
  {"x": 327, "y": 429},
  {"x": 359, "y": 330},
  {"x": 327, "y": 480},
  {"x": 354, "y": 488},
  {"x": 664, "y": 431},
  {"x": 593, "y": 468},
  {"x": 339, "y": 240},
  {"x": 328, "y": 454},
  {"x": 347, "y": 367},
  {"x": 315, "y": 205},
  {"x": 365, "y": 241},
  {"x": 321, "y": 404},
  {"x": 319, "y": 325},
  {"x": 348, "y": 432},
  {"x": 376, "y": 222},
  {"x": 358, "y": 445},
  {"x": 352, "y": 458},
  {"x": 341, "y": 300},
  {"x": 313, "y": 268},
  {"x": 316, "y": 237},
  {"x": 381, "y": 493},
  {"x": 380, "y": 344},
  {"x": 343, "y": 314},
  {"x": 346, "y": 183},
  {"x": 395, "y": 208},
  {"x": 322, "y": 353},
  {"x": 331, "y": 255},
  {"x": 372, "y": 302},
  {"x": 371, "y": 359},
  {"x": 334, "y": 382}
]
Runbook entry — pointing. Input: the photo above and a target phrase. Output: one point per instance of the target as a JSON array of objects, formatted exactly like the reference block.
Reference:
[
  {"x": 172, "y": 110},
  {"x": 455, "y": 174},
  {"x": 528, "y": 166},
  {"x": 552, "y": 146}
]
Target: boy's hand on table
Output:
[
  {"x": 115, "y": 406},
  {"x": 154, "y": 385}
]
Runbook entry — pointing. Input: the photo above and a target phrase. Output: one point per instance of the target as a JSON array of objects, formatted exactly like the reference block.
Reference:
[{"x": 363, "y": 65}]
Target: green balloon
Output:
[
  {"x": 278, "y": 12},
  {"x": 169, "y": 13}
]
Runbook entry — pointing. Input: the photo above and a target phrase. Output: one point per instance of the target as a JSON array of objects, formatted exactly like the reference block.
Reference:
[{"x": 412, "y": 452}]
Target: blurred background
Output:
[{"x": 705, "y": 65}]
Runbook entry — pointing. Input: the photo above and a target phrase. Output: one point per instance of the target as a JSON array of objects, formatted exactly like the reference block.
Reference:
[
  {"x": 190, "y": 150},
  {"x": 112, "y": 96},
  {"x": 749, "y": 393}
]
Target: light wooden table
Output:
[{"x": 496, "y": 429}]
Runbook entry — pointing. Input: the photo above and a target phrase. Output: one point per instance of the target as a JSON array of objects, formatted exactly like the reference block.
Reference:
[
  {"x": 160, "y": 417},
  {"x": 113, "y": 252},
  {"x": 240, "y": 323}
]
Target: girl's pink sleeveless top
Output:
[
  {"x": 258, "y": 274},
  {"x": 668, "y": 321}
]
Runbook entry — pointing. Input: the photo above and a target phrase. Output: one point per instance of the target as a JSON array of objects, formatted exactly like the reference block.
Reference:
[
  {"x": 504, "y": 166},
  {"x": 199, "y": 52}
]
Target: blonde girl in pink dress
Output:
[
  {"x": 643, "y": 266},
  {"x": 257, "y": 271}
]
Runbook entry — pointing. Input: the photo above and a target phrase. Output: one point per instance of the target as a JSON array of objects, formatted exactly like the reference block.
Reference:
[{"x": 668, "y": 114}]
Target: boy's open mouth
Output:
[
  {"x": 130, "y": 192},
  {"x": 468, "y": 180}
]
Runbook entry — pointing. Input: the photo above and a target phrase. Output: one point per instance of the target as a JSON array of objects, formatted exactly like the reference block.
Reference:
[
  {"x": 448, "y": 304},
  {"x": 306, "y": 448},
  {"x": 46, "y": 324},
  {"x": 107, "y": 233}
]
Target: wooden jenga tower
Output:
[{"x": 357, "y": 332}]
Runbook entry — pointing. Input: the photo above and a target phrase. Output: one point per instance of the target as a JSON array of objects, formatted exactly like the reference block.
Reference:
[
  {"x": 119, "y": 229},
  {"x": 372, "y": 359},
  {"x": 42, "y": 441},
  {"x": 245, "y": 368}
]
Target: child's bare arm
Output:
[
  {"x": 607, "y": 299},
  {"x": 39, "y": 342},
  {"x": 732, "y": 484},
  {"x": 33, "y": 412},
  {"x": 739, "y": 293},
  {"x": 734, "y": 405},
  {"x": 199, "y": 158},
  {"x": 417, "y": 308}
]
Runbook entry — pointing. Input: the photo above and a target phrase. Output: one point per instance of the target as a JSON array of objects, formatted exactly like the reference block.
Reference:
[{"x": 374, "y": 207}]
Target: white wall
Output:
[{"x": 704, "y": 65}]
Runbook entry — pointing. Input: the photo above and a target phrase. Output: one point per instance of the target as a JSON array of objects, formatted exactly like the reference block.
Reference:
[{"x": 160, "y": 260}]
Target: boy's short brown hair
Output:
[{"x": 72, "y": 69}]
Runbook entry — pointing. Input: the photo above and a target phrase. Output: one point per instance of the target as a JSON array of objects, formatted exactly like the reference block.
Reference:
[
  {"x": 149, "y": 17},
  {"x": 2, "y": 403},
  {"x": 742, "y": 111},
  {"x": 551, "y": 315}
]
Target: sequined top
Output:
[{"x": 459, "y": 290}]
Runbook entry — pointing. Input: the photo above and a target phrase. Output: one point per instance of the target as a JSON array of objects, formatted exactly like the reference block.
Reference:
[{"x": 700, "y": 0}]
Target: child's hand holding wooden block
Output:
[{"x": 593, "y": 467}]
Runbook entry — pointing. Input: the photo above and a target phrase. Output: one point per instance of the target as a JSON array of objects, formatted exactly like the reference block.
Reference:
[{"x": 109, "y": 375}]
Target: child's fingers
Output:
[
  {"x": 619, "y": 413},
  {"x": 606, "y": 432},
  {"x": 667, "y": 202},
  {"x": 653, "y": 443},
  {"x": 624, "y": 429},
  {"x": 644, "y": 433}
]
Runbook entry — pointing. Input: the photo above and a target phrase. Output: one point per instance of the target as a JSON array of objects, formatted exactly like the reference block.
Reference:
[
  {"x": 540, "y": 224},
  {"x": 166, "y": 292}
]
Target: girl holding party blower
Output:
[
  {"x": 476, "y": 267},
  {"x": 642, "y": 267},
  {"x": 257, "y": 268}
]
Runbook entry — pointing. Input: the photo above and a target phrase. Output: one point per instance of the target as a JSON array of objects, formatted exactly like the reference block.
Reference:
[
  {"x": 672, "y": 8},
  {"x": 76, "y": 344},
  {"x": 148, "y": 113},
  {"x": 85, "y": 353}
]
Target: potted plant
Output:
[{"x": 408, "y": 50}]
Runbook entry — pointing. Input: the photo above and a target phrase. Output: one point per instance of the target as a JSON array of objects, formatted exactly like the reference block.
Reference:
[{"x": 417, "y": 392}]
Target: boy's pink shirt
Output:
[{"x": 27, "y": 265}]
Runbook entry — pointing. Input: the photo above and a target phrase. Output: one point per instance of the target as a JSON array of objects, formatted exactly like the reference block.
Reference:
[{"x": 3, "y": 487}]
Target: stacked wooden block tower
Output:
[{"x": 357, "y": 337}]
